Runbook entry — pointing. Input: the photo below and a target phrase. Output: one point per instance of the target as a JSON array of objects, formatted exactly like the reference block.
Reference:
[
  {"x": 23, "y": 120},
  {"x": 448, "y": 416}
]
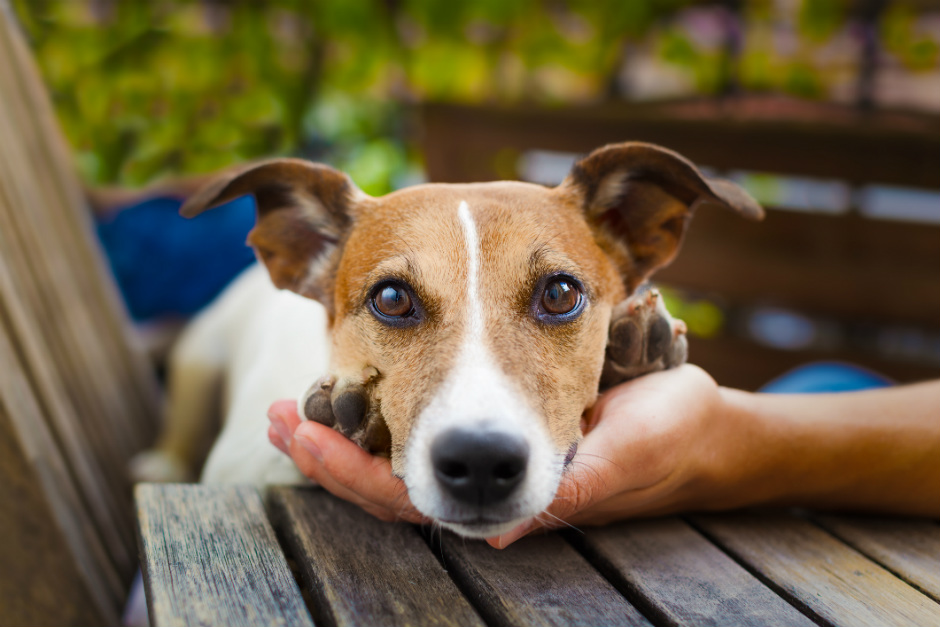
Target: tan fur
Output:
[{"x": 526, "y": 231}]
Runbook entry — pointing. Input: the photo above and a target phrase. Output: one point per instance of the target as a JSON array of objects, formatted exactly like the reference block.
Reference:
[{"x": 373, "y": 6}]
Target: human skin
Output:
[{"x": 675, "y": 441}]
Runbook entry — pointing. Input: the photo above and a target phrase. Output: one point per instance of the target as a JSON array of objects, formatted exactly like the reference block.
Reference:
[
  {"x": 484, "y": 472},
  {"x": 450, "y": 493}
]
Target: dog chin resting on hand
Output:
[{"x": 461, "y": 330}]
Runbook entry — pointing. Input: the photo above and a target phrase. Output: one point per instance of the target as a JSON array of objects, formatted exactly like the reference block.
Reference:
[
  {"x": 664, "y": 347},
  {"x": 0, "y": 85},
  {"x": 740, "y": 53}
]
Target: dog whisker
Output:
[
  {"x": 606, "y": 459},
  {"x": 561, "y": 520}
]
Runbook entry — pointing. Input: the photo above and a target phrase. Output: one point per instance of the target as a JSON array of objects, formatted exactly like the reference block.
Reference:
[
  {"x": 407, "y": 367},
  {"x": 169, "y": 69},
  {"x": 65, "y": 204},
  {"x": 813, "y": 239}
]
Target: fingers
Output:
[
  {"x": 370, "y": 477},
  {"x": 278, "y": 440},
  {"x": 286, "y": 410},
  {"x": 340, "y": 466},
  {"x": 284, "y": 420}
]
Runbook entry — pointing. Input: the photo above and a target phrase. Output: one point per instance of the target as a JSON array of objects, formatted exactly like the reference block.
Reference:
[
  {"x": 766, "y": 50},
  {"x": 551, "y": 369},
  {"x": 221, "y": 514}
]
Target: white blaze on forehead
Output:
[
  {"x": 476, "y": 389},
  {"x": 478, "y": 395},
  {"x": 472, "y": 239}
]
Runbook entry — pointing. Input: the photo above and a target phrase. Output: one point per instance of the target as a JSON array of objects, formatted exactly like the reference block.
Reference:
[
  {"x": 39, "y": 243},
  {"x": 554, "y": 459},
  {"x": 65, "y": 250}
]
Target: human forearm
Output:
[{"x": 877, "y": 450}]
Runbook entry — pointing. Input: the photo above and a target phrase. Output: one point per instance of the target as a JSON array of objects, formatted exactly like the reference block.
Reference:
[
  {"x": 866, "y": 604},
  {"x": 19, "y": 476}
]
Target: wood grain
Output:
[
  {"x": 30, "y": 349},
  {"x": 678, "y": 577},
  {"x": 818, "y": 264},
  {"x": 48, "y": 555},
  {"x": 361, "y": 571},
  {"x": 538, "y": 580},
  {"x": 129, "y": 372},
  {"x": 81, "y": 399},
  {"x": 910, "y": 548},
  {"x": 817, "y": 572},
  {"x": 210, "y": 557},
  {"x": 815, "y": 139}
]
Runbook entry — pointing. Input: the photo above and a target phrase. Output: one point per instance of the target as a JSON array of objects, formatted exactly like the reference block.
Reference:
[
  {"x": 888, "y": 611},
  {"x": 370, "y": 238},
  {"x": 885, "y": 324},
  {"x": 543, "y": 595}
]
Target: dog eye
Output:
[
  {"x": 393, "y": 301},
  {"x": 561, "y": 296}
]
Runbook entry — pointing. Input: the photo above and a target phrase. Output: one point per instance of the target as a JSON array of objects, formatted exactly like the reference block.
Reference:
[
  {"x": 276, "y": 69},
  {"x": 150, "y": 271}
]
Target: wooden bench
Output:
[{"x": 222, "y": 556}]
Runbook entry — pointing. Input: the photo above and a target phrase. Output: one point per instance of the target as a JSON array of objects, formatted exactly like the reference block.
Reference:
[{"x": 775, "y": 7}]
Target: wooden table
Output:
[{"x": 226, "y": 556}]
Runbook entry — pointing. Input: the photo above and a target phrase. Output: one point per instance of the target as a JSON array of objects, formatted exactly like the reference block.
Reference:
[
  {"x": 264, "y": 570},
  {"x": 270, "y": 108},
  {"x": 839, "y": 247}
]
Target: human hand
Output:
[
  {"x": 674, "y": 441},
  {"x": 655, "y": 445},
  {"x": 340, "y": 466}
]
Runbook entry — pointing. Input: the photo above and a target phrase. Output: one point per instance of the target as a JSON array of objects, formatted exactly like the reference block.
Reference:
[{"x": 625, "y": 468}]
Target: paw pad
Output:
[
  {"x": 643, "y": 338},
  {"x": 348, "y": 404}
]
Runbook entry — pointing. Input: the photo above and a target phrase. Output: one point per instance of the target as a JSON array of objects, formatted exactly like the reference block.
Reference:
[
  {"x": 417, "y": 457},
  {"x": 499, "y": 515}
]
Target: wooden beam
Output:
[
  {"x": 368, "y": 572},
  {"x": 210, "y": 557}
]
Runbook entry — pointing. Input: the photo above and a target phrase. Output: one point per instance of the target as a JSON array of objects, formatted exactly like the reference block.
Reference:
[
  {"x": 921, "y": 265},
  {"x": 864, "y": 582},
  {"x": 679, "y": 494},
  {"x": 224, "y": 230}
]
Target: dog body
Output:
[{"x": 460, "y": 329}]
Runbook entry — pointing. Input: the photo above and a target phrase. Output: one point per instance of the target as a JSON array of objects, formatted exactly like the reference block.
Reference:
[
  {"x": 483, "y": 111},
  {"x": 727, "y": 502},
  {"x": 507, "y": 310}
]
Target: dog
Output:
[{"x": 460, "y": 329}]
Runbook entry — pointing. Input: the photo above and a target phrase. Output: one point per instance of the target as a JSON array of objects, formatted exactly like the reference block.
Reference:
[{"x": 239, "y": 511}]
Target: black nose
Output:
[{"x": 479, "y": 468}]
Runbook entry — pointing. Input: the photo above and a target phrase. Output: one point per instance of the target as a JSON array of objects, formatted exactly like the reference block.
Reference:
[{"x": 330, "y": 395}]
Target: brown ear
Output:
[
  {"x": 644, "y": 196},
  {"x": 303, "y": 212}
]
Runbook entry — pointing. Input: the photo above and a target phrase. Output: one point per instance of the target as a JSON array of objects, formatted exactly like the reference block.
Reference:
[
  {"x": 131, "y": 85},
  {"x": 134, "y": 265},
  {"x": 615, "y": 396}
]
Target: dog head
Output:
[{"x": 481, "y": 311}]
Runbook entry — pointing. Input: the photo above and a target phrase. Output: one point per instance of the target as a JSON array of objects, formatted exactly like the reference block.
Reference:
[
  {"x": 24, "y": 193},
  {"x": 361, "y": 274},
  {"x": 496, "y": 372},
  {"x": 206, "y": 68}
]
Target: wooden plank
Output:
[
  {"x": 817, "y": 572},
  {"x": 910, "y": 548},
  {"x": 84, "y": 562},
  {"x": 132, "y": 373},
  {"x": 361, "y": 571},
  {"x": 60, "y": 258},
  {"x": 837, "y": 143},
  {"x": 96, "y": 397},
  {"x": 819, "y": 264},
  {"x": 210, "y": 557},
  {"x": 677, "y": 577},
  {"x": 539, "y": 580},
  {"x": 43, "y": 327},
  {"x": 37, "y": 586},
  {"x": 109, "y": 509},
  {"x": 738, "y": 363}
]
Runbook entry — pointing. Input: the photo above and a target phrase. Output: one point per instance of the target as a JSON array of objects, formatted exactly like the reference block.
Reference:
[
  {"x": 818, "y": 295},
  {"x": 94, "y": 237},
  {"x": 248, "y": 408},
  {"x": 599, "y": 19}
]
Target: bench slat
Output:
[
  {"x": 909, "y": 548},
  {"x": 210, "y": 557},
  {"x": 536, "y": 581},
  {"x": 362, "y": 571},
  {"x": 679, "y": 577},
  {"x": 818, "y": 572}
]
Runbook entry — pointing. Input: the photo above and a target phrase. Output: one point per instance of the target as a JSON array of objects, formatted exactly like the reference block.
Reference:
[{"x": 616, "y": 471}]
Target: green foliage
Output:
[
  {"x": 820, "y": 19},
  {"x": 899, "y": 32},
  {"x": 147, "y": 89}
]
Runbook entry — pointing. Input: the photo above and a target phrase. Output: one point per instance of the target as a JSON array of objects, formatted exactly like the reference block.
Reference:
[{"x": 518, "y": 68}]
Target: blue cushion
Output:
[
  {"x": 166, "y": 265},
  {"x": 826, "y": 377}
]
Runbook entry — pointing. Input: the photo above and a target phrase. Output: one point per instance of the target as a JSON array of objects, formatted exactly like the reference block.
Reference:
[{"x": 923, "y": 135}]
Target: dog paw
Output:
[
  {"x": 643, "y": 338},
  {"x": 158, "y": 466},
  {"x": 349, "y": 405}
]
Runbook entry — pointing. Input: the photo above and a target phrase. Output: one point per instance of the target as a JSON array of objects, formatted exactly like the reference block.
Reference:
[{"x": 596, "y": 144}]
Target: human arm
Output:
[{"x": 675, "y": 441}]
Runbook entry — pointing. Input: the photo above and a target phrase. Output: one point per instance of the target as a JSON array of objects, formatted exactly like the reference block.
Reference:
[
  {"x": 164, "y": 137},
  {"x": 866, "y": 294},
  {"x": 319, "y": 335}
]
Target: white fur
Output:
[
  {"x": 478, "y": 395},
  {"x": 269, "y": 344},
  {"x": 472, "y": 240},
  {"x": 611, "y": 190}
]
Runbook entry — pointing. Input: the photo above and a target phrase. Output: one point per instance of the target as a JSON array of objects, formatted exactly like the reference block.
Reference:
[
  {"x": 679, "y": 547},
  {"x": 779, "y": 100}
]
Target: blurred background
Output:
[{"x": 828, "y": 111}]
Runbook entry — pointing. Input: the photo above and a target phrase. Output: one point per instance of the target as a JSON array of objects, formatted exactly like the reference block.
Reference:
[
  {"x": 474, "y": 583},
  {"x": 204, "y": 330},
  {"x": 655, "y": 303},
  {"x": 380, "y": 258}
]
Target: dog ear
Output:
[
  {"x": 303, "y": 212},
  {"x": 643, "y": 196}
]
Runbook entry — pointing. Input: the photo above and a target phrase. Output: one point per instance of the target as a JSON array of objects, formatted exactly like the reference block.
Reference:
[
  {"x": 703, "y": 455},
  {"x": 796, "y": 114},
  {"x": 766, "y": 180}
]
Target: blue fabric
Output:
[
  {"x": 826, "y": 377},
  {"x": 166, "y": 265}
]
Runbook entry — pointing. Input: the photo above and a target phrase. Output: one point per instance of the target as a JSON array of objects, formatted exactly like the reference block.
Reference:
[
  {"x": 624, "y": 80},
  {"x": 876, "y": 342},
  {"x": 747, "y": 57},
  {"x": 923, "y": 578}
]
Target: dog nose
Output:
[{"x": 479, "y": 468}]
